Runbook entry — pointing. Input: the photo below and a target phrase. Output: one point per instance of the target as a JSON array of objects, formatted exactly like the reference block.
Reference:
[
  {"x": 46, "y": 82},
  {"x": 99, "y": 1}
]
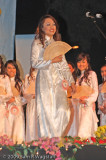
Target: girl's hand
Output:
[
  {"x": 57, "y": 59},
  {"x": 11, "y": 100},
  {"x": 82, "y": 101},
  {"x": 33, "y": 96},
  {"x": 102, "y": 109}
]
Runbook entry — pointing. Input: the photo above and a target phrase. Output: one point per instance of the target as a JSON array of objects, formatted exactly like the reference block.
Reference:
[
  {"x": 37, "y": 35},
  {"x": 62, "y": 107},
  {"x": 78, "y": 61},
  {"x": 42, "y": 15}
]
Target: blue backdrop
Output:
[{"x": 7, "y": 28}]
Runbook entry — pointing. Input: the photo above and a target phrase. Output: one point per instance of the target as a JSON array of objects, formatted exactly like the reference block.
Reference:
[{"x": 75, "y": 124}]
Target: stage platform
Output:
[{"x": 88, "y": 152}]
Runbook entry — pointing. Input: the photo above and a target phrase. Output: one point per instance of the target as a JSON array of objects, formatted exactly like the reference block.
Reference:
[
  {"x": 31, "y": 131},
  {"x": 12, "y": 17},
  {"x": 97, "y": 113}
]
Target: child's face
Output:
[
  {"x": 33, "y": 74},
  {"x": 49, "y": 27},
  {"x": 71, "y": 68},
  {"x": 11, "y": 70},
  {"x": 103, "y": 72},
  {"x": 82, "y": 65}
]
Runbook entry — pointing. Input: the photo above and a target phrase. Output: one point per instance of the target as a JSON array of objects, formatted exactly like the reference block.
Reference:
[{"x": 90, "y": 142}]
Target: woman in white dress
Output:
[
  {"x": 102, "y": 97},
  {"x": 51, "y": 98},
  {"x": 5, "y": 95},
  {"x": 16, "y": 114},
  {"x": 29, "y": 94},
  {"x": 85, "y": 122}
]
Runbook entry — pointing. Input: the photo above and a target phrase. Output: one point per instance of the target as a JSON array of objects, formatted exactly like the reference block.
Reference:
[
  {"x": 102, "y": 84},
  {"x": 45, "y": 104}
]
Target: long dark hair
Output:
[
  {"x": 18, "y": 81},
  {"x": 2, "y": 66},
  {"x": 39, "y": 32},
  {"x": 80, "y": 57},
  {"x": 104, "y": 80}
]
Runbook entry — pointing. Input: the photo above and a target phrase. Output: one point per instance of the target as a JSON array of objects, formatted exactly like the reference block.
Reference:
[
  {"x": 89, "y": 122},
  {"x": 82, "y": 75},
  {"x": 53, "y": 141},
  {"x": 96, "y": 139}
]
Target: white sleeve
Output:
[
  {"x": 37, "y": 60},
  {"x": 94, "y": 83},
  {"x": 100, "y": 98},
  {"x": 5, "y": 98},
  {"x": 66, "y": 71}
]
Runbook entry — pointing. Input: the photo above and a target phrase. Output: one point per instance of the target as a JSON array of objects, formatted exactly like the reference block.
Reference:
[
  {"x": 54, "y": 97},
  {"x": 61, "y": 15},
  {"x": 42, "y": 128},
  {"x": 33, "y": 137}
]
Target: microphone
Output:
[
  {"x": 98, "y": 15},
  {"x": 89, "y": 15}
]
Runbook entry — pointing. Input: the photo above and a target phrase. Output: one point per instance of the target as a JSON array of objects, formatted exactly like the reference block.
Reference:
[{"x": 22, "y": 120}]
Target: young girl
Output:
[
  {"x": 86, "y": 123},
  {"x": 5, "y": 95},
  {"x": 72, "y": 69},
  {"x": 16, "y": 114},
  {"x": 51, "y": 97},
  {"x": 102, "y": 97},
  {"x": 29, "y": 94}
]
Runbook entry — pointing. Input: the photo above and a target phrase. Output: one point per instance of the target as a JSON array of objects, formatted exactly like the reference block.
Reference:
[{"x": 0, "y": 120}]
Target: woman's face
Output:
[
  {"x": 82, "y": 65},
  {"x": 71, "y": 68},
  {"x": 49, "y": 27},
  {"x": 33, "y": 74},
  {"x": 103, "y": 71},
  {"x": 11, "y": 70}
]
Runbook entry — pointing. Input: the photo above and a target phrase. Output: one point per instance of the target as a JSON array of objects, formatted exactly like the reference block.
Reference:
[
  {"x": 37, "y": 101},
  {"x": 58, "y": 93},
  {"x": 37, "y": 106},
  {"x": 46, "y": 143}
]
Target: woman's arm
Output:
[
  {"x": 5, "y": 98},
  {"x": 66, "y": 71},
  {"x": 37, "y": 60},
  {"x": 94, "y": 84}
]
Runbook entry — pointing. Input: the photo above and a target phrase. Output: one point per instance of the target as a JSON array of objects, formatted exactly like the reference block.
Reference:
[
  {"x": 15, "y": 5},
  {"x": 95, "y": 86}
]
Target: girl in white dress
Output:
[
  {"x": 102, "y": 97},
  {"x": 16, "y": 114},
  {"x": 51, "y": 98},
  {"x": 29, "y": 94},
  {"x": 5, "y": 95},
  {"x": 85, "y": 123}
]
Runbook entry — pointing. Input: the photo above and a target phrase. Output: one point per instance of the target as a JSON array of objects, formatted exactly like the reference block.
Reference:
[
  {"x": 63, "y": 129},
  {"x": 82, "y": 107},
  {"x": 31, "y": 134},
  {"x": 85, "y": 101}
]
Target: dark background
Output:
[{"x": 75, "y": 27}]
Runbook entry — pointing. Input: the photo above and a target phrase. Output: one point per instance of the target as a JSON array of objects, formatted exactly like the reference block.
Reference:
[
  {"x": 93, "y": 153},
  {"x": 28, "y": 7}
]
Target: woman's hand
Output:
[
  {"x": 82, "y": 99},
  {"x": 57, "y": 59},
  {"x": 102, "y": 109},
  {"x": 33, "y": 96},
  {"x": 11, "y": 100}
]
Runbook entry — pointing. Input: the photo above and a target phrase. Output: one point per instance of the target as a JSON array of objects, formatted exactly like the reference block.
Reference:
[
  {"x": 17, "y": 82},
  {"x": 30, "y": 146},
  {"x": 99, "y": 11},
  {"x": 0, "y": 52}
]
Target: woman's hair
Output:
[
  {"x": 40, "y": 33},
  {"x": 2, "y": 66},
  {"x": 103, "y": 78},
  {"x": 80, "y": 57},
  {"x": 18, "y": 81}
]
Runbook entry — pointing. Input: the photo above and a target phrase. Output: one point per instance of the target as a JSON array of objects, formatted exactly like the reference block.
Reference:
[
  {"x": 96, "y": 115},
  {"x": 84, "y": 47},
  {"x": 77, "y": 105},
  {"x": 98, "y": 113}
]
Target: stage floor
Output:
[{"x": 88, "y": 152}]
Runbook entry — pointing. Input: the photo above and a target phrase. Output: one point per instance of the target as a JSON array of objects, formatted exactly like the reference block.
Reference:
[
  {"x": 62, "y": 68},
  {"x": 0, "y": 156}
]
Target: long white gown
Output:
[
  {"x": 52, "y": 106},
  {"x": 101, "y": 100},
  {"x": 5, "y": 95},
  {"x": 16, "y": 116},
  {"x": 31, "y": 122},
  {"x": 85, "y": 118}
]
